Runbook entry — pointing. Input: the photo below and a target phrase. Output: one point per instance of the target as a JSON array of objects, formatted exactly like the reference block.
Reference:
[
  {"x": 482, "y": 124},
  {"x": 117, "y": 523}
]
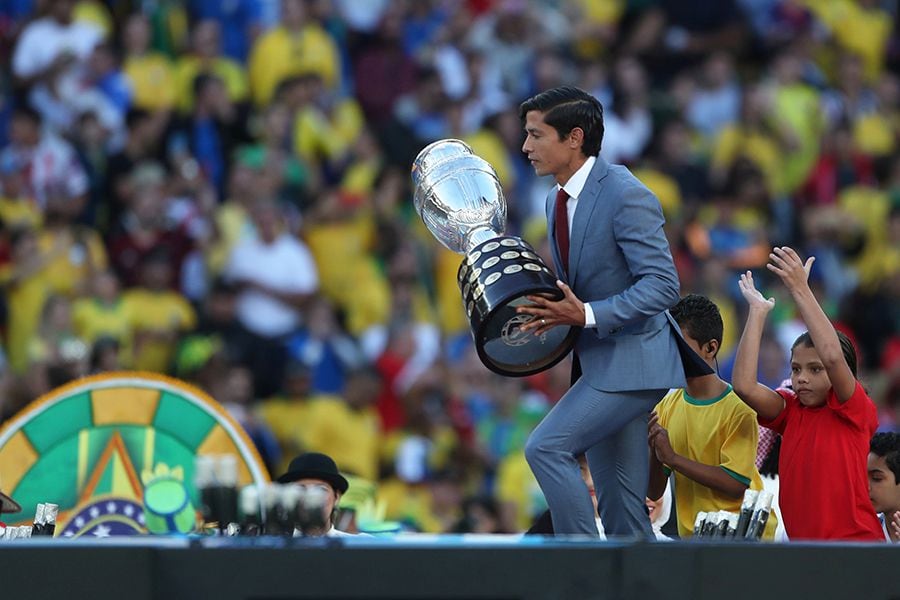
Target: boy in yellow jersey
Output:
[
  {"x": 159, "y": 315},
  {"x": 703, "y": 433},
  {"x": 103, "y": 313}
]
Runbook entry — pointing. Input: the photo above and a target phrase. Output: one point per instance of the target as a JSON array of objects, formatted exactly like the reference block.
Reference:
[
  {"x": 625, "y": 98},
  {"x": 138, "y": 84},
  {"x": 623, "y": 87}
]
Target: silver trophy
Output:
[{"x": 458, "y": 196}]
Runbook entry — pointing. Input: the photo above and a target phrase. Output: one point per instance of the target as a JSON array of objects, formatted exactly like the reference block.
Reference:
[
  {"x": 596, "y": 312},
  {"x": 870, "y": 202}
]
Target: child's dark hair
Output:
[
  {"x": 700, "y": 316},
  {"x": 846, "y": 347},
  {"x": 887, "y": 445}
]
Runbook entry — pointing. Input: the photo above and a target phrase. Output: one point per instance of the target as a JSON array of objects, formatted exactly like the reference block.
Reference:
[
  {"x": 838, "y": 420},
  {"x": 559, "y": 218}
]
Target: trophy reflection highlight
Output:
[{"x": 460, "y": 200}]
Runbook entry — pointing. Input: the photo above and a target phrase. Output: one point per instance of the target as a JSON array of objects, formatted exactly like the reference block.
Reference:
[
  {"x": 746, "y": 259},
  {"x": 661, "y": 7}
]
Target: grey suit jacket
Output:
[{"x": 620, "y": 263}]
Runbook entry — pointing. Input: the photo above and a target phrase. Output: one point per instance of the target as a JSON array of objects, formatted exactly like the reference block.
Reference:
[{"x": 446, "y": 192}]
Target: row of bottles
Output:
[
  {"x": 44, "y": 524},
  {"x": 749, "y": 524},
  {"x": 272, "y": 509}
]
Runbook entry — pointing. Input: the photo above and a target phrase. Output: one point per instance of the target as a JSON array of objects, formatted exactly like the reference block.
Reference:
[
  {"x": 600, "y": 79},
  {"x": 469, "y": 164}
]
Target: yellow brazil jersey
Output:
[
  {"x": 94, "y": 319},
  {"x": 796, "y": 110},
  {"x": 758, "y": 146},
  {"x": 230, "y": 72},
  {"x": 864, "y": 31},
  {"x": 327, "y": 135},
  {"x": 20, "y": 212},
  {"x": 722, "y": 432},
  {"x": 488, "y": 145},
  {"x": 94, "y": 13},
  {"x": 73, "y": 254},
  {"x": 348, "y": 273},
  {"x": 25, "y": 300},
  {"x": 287, "y": 418},
  {"x": 350, "y": 437},
  {"x": 279, "y": 54},
  {"x": 156, "y": 320},
  {"x": 152, "y": 81},
  {"x": 517, "y": 488}
]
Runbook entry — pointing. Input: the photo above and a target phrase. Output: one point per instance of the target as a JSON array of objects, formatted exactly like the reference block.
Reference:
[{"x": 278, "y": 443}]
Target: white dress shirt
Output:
[{"x": 573, "y": 187}]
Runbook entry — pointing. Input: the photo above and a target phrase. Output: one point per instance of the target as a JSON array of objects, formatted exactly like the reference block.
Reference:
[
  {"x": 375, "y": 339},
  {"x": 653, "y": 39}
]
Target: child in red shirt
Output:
[{"x": 826, "y": 420}]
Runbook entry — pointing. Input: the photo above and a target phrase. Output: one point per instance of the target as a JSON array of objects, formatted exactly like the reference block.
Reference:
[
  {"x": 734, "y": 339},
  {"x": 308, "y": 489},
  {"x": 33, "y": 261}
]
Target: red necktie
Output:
[{"x": 562, "y": 227}]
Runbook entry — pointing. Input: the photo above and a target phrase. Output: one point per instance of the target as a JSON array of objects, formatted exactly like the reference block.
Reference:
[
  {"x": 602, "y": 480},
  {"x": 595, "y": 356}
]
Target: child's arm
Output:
[
  {"x": 794, "y": 273},
  {"x": 657, "y": 484},
  {"x": 760, "y": 398},
  {"x": 713, "y": 477}
]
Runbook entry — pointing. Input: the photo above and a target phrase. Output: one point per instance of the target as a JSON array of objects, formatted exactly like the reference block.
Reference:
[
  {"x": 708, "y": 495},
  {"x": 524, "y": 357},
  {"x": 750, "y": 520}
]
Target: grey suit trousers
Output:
[{"x": 611, "y": 429}]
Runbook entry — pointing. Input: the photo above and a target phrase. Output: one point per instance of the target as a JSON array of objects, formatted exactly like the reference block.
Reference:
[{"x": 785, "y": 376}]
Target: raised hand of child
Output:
[
  {"x": 753, "y": 297},
  {"x": 786, "y": 263},
  {"x": 895, "y": 524}
]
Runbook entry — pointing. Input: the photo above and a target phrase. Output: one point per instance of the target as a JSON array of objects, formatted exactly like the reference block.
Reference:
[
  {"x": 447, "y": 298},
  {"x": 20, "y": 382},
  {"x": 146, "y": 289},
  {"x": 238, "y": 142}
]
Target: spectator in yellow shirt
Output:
[
  {"x": 26, "y": 287},
  {"x": 159, "y": 315},
  {"x": 346, "y": 428},
  {"x": 151, "y": 73},
  {"x": 287, "y": 414},
  {"x": 56, "y": 355},
  {"x": 103, "y": 314},
  {"x": 17, "y": 208},
  {"x": 207, "y": 58},
  {"x": 298, "y": 45}
]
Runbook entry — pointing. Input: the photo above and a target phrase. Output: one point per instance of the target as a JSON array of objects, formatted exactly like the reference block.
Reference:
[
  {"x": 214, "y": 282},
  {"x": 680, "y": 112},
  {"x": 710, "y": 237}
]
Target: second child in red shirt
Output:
[{"x": 826, "y": 420}]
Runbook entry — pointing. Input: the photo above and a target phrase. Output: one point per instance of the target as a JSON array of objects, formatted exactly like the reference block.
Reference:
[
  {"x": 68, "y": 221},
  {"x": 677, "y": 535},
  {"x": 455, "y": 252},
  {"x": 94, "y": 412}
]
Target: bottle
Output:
[
  {"x": 747, "y": 505},
  {"x": 760, "y": 516},
  {"x": 722, "y": 529},
  {"x": 38, "y": 525},
  {"x": 248, "y": 502},
  {"x": 272, "y": 504},
  {"x": 311, "y": 510},
  {"x": 733, "y": 519},
  {"x": 204, "y": 479},
  {"x": 709, "y": 527},
  {"x": 698, "y": 523},
  {"x": 50, "y": 513},
  {"x": 225, "y": 490},
  {"x": 289, "y": 513}
]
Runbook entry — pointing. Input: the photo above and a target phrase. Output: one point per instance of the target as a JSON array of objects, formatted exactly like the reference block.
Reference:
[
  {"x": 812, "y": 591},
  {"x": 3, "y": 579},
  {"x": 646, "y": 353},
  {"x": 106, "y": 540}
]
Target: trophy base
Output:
[{"x": 495, "y": 278}]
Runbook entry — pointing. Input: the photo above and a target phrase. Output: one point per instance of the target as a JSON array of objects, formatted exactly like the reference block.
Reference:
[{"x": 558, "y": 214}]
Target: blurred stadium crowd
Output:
[{"x": 219, "y": 190}]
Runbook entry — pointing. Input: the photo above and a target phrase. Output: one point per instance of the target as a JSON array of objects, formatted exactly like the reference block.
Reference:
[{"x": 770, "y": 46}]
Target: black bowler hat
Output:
[{"x": 314, "y": 465}]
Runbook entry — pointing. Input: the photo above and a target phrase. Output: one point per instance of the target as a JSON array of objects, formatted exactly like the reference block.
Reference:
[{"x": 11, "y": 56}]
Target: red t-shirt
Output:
[{"x": 824, "y": 490}]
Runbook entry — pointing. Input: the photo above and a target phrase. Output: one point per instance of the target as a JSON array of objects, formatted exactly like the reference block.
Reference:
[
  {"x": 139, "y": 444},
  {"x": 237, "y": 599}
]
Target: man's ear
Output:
[
  {"x": 711, "y": 347},
  {"x": 576, "y": 137}
]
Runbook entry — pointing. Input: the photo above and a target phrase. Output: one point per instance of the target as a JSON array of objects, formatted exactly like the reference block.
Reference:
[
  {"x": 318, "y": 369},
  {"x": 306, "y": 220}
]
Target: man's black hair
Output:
[{"x": 566, "y": 108}]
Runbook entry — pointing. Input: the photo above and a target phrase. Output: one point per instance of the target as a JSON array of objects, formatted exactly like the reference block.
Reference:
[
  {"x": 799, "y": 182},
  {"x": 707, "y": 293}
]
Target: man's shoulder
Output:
[{"x": 622, "y": 175}]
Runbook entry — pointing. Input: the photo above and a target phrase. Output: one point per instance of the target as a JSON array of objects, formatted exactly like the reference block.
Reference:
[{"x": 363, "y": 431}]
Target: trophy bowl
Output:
[{"x": 459, "y": 198}]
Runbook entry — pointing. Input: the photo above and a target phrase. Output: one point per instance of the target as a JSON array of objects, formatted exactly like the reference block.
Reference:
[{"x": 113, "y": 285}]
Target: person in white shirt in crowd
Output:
[
  {"x": 51, "y": 63},
  {"x": 277, "y": 277},
  {"x": 47, "y": 164}
]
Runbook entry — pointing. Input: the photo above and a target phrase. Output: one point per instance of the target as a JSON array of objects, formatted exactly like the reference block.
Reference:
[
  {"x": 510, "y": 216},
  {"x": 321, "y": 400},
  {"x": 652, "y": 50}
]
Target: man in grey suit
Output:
[{"x": 618, "y": 280}]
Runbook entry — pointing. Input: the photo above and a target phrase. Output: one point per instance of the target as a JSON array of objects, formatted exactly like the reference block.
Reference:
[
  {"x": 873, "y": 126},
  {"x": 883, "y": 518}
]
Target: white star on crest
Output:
[
  {"x": 141, "y": 518},
  {"x": 102, "y": 531},
  {"x": 95, "y": 512},
  {"x": 110, "y": 507},
  {"x": 79, "y": 522},
  {"x": 128, "y": 510},
  {"x": 69, "y": 534}
]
